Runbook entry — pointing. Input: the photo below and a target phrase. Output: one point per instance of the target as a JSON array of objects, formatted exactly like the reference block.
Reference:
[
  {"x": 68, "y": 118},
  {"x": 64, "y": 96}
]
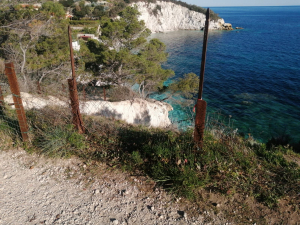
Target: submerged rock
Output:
[{"x": 246, "y": 103}]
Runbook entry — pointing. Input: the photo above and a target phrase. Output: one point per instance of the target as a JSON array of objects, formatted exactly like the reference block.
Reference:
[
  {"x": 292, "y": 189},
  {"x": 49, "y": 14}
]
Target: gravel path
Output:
[{"x": 35, "y": 190}]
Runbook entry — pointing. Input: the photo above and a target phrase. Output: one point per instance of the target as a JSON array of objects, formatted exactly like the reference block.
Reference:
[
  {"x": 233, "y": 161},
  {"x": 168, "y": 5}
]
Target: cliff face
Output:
[
  {"x": 137, "y": 111},
  {"x": 167, "y": 16}
]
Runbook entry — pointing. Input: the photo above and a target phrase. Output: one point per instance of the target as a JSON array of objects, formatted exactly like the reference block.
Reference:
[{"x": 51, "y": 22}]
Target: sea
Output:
[{"x": 252, "y": 75}]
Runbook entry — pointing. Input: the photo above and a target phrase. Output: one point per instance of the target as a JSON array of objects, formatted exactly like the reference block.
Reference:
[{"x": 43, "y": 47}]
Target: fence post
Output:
[
  {"x": 1, "y": 98},
  {"x": 1, "y": 102},
  {"x": 200, "y": 122},
  {"x": 14, "y": 87},
  {"x": 77, "y": 119},
  {"x": 201, "y": 104}
]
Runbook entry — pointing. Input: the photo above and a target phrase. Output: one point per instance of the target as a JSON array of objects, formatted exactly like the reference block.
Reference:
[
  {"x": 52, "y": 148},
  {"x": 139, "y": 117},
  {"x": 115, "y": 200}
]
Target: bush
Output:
[
  {"x": 87, "y": 30},
  {"x": 85, "y": 22},
  {"x": 156, "y": 10},
  {"x": 62, "y": 141},
  {"x": 121, "y": 93}
]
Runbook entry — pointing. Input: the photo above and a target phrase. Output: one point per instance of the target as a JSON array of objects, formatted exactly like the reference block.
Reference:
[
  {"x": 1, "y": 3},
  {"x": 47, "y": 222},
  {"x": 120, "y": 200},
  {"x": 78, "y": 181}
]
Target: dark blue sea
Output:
[{"x": 252, "y": 76}]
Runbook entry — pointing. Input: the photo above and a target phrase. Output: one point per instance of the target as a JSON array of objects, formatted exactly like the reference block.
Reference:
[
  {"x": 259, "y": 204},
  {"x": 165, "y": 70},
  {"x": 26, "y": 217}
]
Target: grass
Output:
[
  {"x": 227, "y": 165},
  {"x": 9, "y": 127},
  {"x": 60, "y": 141}
]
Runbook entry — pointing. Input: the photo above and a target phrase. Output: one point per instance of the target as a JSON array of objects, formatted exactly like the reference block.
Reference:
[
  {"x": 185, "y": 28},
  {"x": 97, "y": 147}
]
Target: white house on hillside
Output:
[{"x": 75, "y": 45}]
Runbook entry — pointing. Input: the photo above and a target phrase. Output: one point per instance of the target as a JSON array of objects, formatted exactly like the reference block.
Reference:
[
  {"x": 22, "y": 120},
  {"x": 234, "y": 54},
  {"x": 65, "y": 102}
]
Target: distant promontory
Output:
[{"x": 162, "y": 16}]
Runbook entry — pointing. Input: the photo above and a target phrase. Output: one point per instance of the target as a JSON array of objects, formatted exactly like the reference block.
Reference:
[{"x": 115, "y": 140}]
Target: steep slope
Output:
[
  {"x": 136, "y": 111},
  {"x": 167, "y": 16}
]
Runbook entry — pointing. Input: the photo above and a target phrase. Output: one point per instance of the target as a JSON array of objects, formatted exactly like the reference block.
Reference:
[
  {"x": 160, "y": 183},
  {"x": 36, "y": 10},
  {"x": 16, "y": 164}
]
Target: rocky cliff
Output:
[
  {"x": 137, "y": 111},
  {"x": 166, "y": 16}
]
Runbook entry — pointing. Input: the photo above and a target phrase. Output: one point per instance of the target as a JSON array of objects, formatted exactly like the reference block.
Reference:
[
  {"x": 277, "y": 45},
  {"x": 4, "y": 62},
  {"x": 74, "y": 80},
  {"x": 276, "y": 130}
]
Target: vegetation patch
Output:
[
  {"x": 227, "y": 165},
  {"x": 213, "y": 16},
  {"x": 240, "y": 171}
]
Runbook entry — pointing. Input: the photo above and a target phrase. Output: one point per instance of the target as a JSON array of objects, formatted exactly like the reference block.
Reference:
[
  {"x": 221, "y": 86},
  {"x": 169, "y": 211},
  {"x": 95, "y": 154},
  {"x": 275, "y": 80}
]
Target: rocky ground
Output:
[{"x": 38, "y": 190}]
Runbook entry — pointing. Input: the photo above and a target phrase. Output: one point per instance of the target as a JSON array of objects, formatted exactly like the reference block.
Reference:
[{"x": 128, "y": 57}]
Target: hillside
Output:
[
  {"x": 147, "y": 175},
  {"x": 166, "y": 16}
]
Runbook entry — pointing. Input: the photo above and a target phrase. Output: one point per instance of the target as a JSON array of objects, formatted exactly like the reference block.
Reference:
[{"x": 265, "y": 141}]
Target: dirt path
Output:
[{"x": 35, "y": 190}]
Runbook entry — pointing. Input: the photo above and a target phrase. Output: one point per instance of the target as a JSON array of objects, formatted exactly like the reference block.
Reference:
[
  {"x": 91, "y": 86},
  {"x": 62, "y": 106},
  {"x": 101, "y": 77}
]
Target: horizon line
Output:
[{"x": 252, "y": 6}]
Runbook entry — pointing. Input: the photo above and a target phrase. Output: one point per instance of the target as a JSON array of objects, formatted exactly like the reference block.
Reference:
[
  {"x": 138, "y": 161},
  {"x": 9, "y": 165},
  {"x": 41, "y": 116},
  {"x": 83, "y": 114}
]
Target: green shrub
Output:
[{"x": 62, "y": 141}]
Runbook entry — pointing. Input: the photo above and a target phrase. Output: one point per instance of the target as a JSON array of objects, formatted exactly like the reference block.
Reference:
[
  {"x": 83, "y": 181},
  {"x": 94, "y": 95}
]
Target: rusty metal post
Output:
[
  {"x": 204, "y": 49},
  {"x": 104, "y": 93},
  {"x": 14, "y": 87},
  {"x": 71, "y": 55},
  {"x": 77, "y": 119},
  {"x": 201, "y": 104},
  {"x": 1, "y": 102},
  {"x": 1, "y": 98},
  {"x": 200, "y": 122}
]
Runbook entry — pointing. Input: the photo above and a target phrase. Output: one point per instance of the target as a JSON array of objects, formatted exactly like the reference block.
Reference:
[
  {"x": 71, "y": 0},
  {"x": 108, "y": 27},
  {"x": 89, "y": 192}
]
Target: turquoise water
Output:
[{"x": 252, "y": 75}]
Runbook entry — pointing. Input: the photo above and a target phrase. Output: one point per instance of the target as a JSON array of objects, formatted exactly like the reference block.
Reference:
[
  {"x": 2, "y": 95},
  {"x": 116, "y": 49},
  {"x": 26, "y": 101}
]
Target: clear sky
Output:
[{"x": 210, "y": 3}]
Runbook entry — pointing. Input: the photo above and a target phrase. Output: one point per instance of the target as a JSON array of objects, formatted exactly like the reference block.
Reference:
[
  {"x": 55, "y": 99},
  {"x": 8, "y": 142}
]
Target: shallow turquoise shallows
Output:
[{"x": 252, "y": 75}]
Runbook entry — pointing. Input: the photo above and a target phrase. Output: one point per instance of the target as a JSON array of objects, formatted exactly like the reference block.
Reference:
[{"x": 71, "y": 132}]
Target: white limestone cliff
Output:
[
  {"x": 137, "y": 111},
  {"x": 167, "y": 16}
]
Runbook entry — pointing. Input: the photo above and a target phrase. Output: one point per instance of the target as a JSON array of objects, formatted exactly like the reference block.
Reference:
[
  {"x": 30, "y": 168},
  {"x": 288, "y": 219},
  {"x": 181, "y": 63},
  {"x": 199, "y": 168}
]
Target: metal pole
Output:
[
  {"x": 201, "y": 104},
  {"x": 1, "y": 97},
  {"x": 71, "y": 55},
  {"x": 14, "y": 87},
  {"x": 77, "y": 119},
  {"x": 203, "y": 55},
  {"x": 1, "y": 102}
]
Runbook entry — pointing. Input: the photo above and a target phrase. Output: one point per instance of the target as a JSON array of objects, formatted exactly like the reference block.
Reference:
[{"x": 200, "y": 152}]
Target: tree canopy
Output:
[
  {"x": 125, "y": 55},
  {"x": 53, "y": 9},
  {"x": 35, "y": 40}
]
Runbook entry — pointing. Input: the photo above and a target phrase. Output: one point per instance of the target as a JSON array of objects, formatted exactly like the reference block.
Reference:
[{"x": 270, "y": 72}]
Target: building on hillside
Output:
[
  {"x": 88, "y": 3},
  {"x": 69, "y": 15},
  {"x": 86, "y": 37},
  {"x": 35, "y": 6},
  {"x": 75, "y": 45},
  {"x": 103, "y": 3}
]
